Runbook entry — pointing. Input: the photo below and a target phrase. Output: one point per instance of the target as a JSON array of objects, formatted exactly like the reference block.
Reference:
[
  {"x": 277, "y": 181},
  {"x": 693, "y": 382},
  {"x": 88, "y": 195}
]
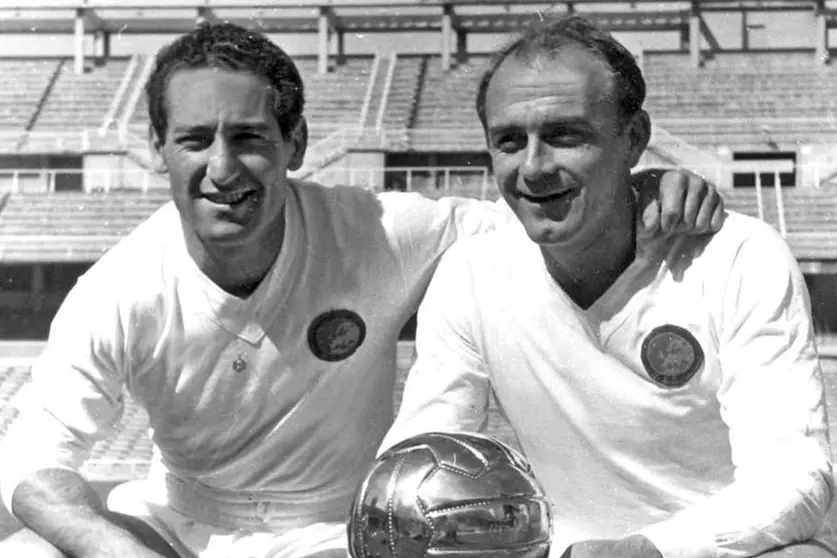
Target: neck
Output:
[
  {"x": 587, "y": 270},
  {"x": 238, "y": 269}
]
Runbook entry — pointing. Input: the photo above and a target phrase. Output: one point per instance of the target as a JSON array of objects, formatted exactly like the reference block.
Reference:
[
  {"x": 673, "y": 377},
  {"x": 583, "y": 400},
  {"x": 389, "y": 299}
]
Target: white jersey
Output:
[
  {"x": 279, "y": 400},
  {"x": 686, "y": 404}
]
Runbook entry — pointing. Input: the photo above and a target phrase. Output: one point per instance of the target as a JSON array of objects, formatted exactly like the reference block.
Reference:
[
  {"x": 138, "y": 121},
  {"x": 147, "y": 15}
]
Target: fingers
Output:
[
  {"x": 710, "y": 215},
  {"x": 673, "y": 190},
  {"x": 689, "y": 204},
  {"x": 718, "y": 217},
  {"x": 700, "y": 196},
  {"x": 649, "y": 220}
]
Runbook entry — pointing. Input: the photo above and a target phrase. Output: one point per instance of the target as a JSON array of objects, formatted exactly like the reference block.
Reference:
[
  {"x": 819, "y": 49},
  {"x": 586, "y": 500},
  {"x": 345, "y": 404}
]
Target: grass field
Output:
[{"x": 126, "y": 456}]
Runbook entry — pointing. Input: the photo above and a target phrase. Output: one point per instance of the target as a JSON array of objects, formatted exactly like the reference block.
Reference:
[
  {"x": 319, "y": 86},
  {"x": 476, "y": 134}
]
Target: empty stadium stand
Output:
[
  {"x": 25, "y": 83},
  {"x": 445, "y": 119},
  {"x": 738, "y": 100},
  {"x": 743, "y": 98},
  {"x": 70, "y": 226},
  {"x": 80, "y": 100}
]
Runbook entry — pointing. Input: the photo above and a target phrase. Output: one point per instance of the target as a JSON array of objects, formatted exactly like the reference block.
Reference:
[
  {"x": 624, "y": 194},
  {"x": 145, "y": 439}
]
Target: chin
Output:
[
  {"x": 225, "y": 235},
  {"x": 549, "y": 234}
]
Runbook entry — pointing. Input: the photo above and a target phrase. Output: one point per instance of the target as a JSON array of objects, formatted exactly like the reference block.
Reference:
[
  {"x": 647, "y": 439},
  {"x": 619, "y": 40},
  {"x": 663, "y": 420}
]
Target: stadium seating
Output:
[
  {"x": 334, "y": 100},
  {"x": 404, "y": 90},
  {"x": 70, "y": 226},
  {"x": 81, "y": 100},
  {"x": 740, "y": 97},
  {"x": 810, "y": 218},
  {"x": 734, "y": 99},
  {"x": 25, "y": 83},
  {"x": 445, "y": 117}
]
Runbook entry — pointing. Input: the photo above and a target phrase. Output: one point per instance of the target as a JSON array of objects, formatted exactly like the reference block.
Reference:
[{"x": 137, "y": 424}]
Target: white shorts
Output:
[{"x": 193, "y": 539}]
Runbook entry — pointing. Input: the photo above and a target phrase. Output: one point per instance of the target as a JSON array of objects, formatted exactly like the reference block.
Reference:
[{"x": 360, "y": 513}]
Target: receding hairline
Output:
[{"x": 571, "y": 54}]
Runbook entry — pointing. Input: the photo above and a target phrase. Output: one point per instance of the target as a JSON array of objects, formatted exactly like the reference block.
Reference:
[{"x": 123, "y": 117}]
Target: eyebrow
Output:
[
  {"x": 235, "y": 127},
  {"x": 569, "y": 121}
]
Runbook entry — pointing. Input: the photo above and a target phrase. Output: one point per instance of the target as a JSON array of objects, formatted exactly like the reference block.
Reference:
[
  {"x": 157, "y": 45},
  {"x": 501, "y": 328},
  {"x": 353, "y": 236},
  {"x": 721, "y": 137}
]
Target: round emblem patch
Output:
[
  {"x": 671, "y": 355},
  {"x": 336, "y": 335}
]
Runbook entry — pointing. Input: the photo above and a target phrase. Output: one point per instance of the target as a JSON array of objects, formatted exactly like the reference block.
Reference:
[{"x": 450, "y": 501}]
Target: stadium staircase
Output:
[
  {"x": 337, "y": 122},
  {"x": 397, "y": 118}
]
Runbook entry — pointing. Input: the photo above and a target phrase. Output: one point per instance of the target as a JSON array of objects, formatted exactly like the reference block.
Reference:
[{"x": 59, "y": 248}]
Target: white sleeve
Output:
[
  {"x": 447, "y": 389},
  {"x": 772, "y": 399},
  {"x": 74, "y": 397},
  {"x": 422, "y": 228}
]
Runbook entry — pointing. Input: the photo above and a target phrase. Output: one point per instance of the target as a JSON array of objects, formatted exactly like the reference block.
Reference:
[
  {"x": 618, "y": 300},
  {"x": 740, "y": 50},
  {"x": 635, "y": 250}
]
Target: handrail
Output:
[
  {"x": 379, "y": 120},
  {"x": 370, "y": 89},
  {"x": 109, "y": 118},
  {"x": 136, "y": 93},
  {"x": 104, "y": 178}
]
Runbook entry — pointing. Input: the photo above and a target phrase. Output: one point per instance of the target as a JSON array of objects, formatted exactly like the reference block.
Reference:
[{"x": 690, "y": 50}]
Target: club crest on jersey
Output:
[
  {"x": 335, "y": 335},
  {"x": 671, "y": 355}
]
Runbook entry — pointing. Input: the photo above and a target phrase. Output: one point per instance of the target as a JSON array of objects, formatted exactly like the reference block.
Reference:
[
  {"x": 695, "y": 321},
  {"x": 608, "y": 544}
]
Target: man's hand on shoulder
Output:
[
  {"x": 676, "y": 202},
  {"x": 634, "y": 546}
]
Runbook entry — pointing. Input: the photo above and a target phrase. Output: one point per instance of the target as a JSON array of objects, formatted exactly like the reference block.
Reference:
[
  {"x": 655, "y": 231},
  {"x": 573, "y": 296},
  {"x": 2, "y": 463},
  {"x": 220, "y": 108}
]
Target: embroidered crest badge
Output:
[
  {"x": 335, "y": 335},
  {"x": 671, "y": 355}
]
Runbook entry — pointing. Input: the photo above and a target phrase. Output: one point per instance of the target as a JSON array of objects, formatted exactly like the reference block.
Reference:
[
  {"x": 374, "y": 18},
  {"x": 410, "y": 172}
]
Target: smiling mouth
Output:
[
  {"x": 228, "y": 198},
  {"x": 550, "y": 198}
]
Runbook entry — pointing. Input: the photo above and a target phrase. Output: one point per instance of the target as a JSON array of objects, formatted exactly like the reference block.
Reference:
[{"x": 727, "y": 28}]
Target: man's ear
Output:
[
  {"x": 639, "y": 134},
  {"x": 299, "y": 141},
  {"x": 155, "y": 147}
]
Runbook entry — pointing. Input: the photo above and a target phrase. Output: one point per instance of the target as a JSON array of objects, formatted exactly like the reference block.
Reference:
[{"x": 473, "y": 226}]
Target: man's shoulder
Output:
[
  {"x": 406, "y": 216},
  {"x": 134, "y": 267},
  {"x": 743, "y": 231},
  {"x": 499, "y": 248},
  {"x": 743, "y": 245}
]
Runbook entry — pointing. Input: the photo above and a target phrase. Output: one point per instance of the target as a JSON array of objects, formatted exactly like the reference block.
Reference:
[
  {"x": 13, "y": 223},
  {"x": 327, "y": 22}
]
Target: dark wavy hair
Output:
[
  {"x": 551, "y": 34},
  {"x": 231, "y": 47}
]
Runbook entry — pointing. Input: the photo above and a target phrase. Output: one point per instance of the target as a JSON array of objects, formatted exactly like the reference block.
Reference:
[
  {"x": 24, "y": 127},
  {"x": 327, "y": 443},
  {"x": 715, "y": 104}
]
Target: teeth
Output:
[
  {"x": 550, "y": 196},
  {"x": 228, "y": 198}
]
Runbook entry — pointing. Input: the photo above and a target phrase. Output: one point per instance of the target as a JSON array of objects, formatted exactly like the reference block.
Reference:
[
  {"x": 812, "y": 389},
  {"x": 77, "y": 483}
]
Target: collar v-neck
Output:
[
  {"x": 610, "y": 310},
  {"x": 245, "y": 318}
]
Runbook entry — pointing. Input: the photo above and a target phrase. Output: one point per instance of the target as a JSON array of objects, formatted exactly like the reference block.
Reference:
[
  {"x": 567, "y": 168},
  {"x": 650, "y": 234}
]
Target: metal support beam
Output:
[
  {"x": 694, "y": 36},
  {"x": 322, "y": 40},
  {"x": 745, "y": 31},
  {"x": 78, "y": 54},
  {"x": 205, "y": 15},
  {"x": 461, "y": 46},
  {"x": 447, "y": 30},
  {"x": 821, "y": 32},
  {"x": 340, "y": 37},
  {"x": 706, "y": 33},
  {"x": 101, "y": 45}
]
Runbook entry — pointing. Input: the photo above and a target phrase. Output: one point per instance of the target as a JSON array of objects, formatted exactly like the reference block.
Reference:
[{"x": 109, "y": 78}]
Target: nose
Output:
[
  {"x": 538, "y": 165},
  {"x": 222, "y": 168}
]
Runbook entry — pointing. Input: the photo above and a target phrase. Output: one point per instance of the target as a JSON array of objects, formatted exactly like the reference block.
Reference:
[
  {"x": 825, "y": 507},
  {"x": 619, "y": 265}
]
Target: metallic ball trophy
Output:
[{"x": 450, "y": 495}]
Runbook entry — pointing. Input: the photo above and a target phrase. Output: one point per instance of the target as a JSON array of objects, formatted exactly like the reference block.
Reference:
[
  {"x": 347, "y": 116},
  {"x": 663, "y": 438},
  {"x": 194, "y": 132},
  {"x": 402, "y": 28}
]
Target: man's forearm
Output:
[{"x": 60, "y": 506}]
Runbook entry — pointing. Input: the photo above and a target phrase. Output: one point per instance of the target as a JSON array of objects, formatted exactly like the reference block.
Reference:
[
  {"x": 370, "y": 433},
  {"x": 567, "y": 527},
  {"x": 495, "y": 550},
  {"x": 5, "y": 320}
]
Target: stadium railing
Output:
[{"x": 48, "y": 181}]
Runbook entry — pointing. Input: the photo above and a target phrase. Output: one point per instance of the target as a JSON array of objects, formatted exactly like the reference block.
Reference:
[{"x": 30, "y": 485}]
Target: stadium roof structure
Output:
[{"x": 452, "y": 18}]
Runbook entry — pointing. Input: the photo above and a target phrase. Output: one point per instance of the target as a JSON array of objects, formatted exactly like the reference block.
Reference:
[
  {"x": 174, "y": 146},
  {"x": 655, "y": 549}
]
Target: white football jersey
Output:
[
  {"x": 282, "y": 397},
  {"x": 686, "y": 404}
]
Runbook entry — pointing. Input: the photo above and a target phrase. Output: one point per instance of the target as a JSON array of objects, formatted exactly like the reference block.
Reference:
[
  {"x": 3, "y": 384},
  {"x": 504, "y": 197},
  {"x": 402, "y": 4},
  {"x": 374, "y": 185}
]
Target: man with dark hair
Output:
[
  {"x": 255, "y": 318},
  {"x": 669, "y": 396}
]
